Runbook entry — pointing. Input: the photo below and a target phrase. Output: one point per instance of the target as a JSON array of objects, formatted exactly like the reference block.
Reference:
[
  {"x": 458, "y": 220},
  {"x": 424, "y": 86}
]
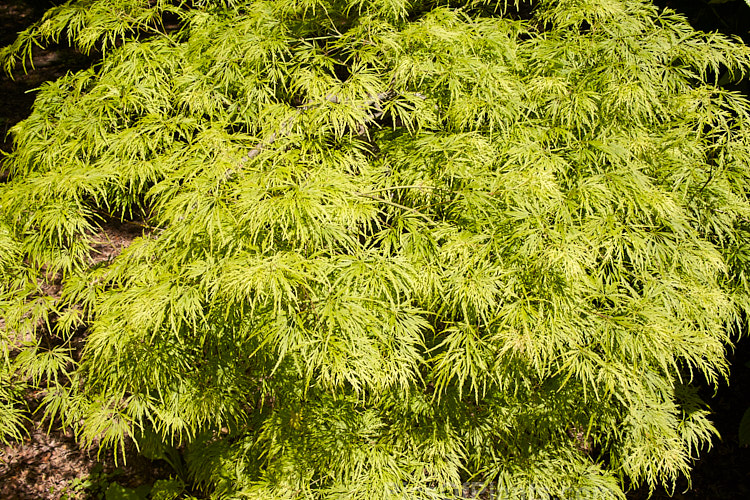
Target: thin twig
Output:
[{"x": 397, "y": 205}]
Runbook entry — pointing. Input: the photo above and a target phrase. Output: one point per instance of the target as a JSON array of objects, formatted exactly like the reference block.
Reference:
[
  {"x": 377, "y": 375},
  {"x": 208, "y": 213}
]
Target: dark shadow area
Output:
[
  {"x": 724, "y": 471},
  {"x": 731, "y": 17}
]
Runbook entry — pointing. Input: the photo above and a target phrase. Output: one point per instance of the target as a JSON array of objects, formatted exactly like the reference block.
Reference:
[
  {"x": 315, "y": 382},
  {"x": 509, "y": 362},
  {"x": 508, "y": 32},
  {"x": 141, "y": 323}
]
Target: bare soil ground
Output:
[{"x": 50, "y": 466}]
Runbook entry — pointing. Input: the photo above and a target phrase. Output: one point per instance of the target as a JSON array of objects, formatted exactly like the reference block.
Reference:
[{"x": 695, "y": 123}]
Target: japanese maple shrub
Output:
[{"x": 388, "y": 247}]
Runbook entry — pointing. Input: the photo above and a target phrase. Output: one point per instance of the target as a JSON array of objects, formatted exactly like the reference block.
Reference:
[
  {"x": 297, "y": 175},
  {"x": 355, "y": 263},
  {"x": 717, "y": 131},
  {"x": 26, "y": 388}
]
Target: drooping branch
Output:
[{"x": 374, "y": 104}]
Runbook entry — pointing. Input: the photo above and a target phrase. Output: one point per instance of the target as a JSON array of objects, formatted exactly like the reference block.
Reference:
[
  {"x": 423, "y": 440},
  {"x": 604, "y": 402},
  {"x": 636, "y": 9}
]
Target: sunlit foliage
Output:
[{"x": 388, "y": 247}]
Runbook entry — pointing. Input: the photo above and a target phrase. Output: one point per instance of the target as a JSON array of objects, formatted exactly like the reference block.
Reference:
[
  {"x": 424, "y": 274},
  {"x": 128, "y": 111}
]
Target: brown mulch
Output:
[
  {"x": 46, "y": 467},
  {"x": 42, "y": 467},
  {"x": 113, "y": 237}
]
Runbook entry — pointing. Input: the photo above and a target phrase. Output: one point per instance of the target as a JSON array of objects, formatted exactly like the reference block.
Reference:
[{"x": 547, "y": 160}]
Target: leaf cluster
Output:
[{"x": 387, "y": 247}]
